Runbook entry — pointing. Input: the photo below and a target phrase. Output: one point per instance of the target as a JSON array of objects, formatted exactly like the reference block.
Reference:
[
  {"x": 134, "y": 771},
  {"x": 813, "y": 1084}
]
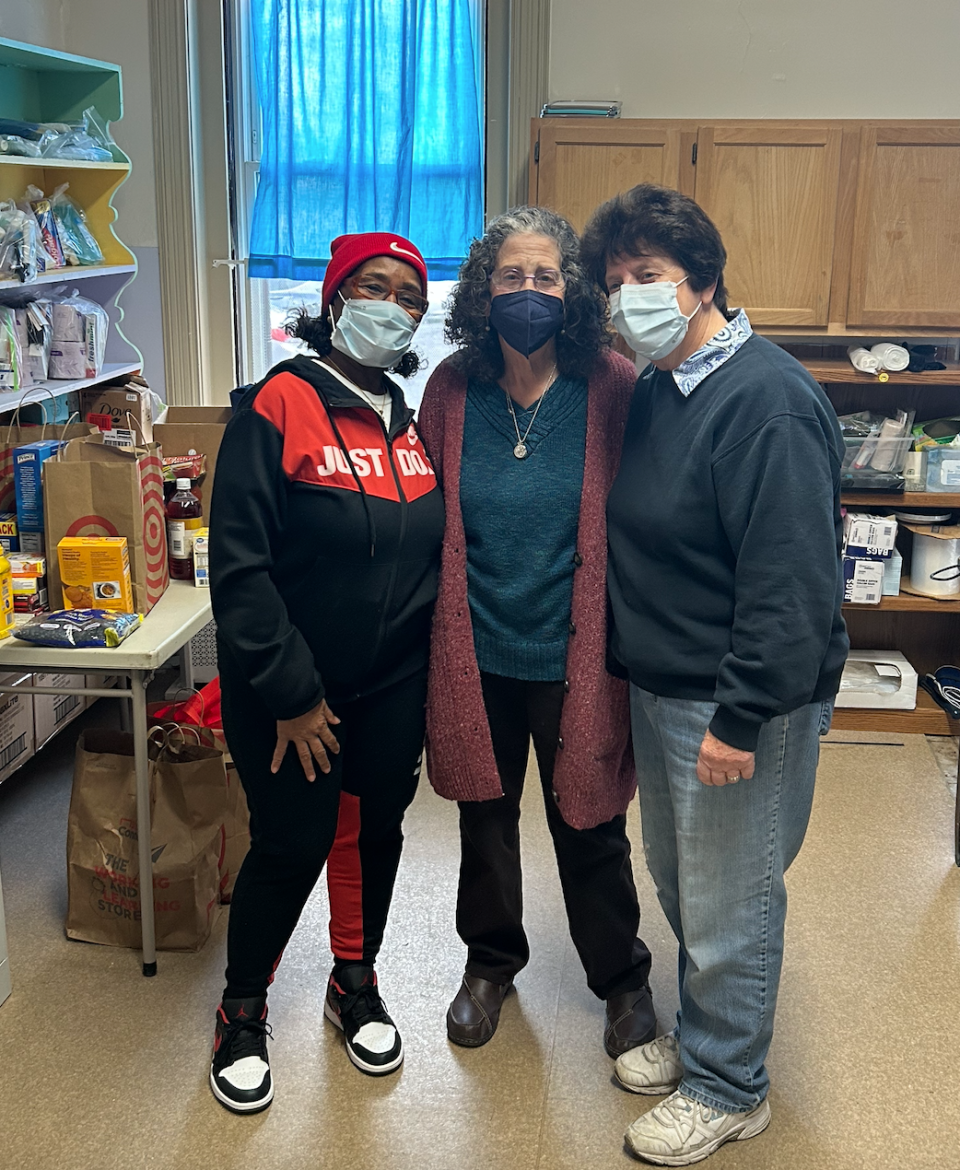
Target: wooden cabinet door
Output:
[
  {"x": 582, "y": 163},
  {"x": 772, "y": 191},
  {"x": 906, "y": 247}
]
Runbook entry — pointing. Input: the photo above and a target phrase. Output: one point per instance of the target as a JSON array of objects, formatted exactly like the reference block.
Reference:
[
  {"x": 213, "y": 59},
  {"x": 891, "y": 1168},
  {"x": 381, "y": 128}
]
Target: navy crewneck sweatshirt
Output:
[{"x": 724, "y": 534}]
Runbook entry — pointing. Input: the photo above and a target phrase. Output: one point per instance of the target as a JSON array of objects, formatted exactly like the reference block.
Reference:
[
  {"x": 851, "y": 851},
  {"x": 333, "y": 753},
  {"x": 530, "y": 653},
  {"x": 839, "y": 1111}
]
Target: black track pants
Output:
[
  {"x": 352, "y": 815},
  {"x": 594, "y": 864}
]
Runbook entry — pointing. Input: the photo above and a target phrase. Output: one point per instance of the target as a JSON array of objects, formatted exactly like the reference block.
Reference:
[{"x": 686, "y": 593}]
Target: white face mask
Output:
[
  {"x": 373, "y": 333},
  {"x": 648, "y": 317}
]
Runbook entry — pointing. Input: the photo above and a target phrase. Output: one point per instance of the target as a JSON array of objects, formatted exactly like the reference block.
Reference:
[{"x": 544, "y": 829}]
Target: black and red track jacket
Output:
[{"x": 325, "y": 537}]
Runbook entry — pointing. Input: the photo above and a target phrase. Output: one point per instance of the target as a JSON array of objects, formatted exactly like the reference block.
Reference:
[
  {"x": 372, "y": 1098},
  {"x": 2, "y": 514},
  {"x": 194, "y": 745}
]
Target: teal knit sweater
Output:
[{"x": 520, "y": 518}]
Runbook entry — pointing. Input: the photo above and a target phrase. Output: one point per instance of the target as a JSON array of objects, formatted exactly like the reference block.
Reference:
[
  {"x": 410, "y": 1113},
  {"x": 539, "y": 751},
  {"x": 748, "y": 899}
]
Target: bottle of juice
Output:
[
  {"x": 6, "y": 596},
  {"x": 184, "y": 518}
]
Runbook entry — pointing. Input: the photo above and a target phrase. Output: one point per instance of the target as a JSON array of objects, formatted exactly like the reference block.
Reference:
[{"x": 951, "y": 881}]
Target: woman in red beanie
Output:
[{"x": 325, "y": 545}]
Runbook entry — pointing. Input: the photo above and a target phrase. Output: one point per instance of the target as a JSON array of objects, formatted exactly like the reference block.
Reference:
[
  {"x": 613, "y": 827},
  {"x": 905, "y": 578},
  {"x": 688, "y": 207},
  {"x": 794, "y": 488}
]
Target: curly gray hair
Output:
[{"x": 584, "y": 308}]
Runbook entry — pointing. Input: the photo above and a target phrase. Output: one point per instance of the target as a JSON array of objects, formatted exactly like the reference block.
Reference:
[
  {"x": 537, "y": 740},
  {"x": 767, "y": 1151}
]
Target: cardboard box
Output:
[
  {"x": 17, "y": 743},
  {"x": 33, "y": 543},
  {"x": 95, "y": 573},
  {"x": 862, "y": 580},
  {"x": 28, "y": 464},
  {"x": 201, "y": 559},
  {"x": 195, "y": 428},
  {"x": 110, "y": 407},
  {"x": 892, "y": 572},
  {"x": 9, "y": 532},
  {"x": 52, "y": 712},
  {"x": 891, "y": 667},
  {"x": 868, "y": 536}
]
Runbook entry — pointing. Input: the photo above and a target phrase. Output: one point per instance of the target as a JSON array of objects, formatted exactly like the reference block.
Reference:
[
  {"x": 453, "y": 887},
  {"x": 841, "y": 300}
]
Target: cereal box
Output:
[{"x": 95, "y": 571}]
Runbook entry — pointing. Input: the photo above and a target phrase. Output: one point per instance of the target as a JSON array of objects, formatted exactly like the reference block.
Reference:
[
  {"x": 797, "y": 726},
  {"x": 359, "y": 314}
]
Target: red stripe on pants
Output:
[{"x": 345, "y": 883}]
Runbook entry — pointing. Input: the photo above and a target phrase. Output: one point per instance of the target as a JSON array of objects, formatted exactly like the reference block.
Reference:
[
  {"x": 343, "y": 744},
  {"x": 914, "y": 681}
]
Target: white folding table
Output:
[{"x": 178, "y": 615}]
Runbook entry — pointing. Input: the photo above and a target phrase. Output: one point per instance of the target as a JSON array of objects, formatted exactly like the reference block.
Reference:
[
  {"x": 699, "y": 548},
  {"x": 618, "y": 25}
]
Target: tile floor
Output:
[{"x": 101, "y": 1069}]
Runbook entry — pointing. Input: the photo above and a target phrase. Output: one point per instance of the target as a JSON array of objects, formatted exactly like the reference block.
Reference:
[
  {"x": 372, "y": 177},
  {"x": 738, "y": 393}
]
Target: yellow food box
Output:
[{"x": 95, "y": 571}]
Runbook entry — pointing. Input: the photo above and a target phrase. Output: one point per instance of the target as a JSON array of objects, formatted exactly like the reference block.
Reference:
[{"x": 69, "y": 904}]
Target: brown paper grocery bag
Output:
[
  {"x": 103, "y": 873},
  {"x": 93, "y": 489},
  {"x": 236, "y": 832}
]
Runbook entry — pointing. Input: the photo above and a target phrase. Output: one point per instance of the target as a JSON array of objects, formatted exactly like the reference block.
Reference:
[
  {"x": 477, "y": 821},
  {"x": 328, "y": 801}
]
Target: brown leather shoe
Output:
[
  {"x": 631, "y": 1021},
  {"x": 473, "y": 1016}
]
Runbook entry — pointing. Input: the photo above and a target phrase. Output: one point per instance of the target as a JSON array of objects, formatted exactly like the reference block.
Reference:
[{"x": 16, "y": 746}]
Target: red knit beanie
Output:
[{"x": 349, "y": 252}]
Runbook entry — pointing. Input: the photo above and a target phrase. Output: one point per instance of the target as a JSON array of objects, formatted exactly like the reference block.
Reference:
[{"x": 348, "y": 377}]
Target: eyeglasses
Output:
[
  {"x": 547, "y": 280},
  {"x": 376, "y": 290}
]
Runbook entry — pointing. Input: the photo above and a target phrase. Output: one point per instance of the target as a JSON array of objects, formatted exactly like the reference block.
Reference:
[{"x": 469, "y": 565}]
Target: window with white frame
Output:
[{"x": 347, "y": 116}]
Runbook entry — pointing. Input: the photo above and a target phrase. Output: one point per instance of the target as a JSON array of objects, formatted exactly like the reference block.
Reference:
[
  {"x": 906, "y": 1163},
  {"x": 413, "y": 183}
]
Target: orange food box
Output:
[{"x": 95, "y": 571}]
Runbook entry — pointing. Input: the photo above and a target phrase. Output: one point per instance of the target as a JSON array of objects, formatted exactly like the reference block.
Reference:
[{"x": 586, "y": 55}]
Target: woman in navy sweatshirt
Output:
[
  {"x": 725, "y": 589},
  {"x": 325, "y": 547}
]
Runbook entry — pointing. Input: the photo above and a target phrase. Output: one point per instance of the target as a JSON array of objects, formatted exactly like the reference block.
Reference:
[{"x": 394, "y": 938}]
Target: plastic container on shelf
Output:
[{"x": 943, "y": 469}]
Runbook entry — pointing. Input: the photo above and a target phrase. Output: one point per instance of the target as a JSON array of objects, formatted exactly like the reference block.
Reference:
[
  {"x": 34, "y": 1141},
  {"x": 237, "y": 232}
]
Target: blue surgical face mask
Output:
[
  {"x": 648, "y": 317},
  {"x": 373, "y": 333},
  {"x": 526, "y": 320}
]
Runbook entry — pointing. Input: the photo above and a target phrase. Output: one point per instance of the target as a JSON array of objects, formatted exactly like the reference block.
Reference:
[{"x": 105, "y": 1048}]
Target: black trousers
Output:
[
  {"x": 352, "y": 815},
  {"x": 594, "y": 864}
]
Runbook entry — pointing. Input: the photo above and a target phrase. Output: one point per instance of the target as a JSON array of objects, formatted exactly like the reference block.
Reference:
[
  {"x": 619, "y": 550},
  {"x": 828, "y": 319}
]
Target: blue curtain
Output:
[{"x": 371, "y": 122}]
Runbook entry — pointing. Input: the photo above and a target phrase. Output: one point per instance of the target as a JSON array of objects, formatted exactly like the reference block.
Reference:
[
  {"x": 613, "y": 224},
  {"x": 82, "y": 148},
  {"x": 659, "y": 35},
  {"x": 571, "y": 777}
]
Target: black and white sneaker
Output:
[
  {"x": 353, "y": 1003},
  {"x": 240, "y": 1071}
]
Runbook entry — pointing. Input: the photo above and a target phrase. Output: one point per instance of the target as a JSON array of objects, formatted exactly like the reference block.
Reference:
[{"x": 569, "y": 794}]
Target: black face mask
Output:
[{"x": 526, "y": 320}]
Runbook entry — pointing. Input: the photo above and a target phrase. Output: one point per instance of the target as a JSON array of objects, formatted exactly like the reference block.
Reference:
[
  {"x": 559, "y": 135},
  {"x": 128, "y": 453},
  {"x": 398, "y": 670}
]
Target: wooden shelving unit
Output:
[
  {"x": 908, "y": 603},
  {"x": 842, "y": 372},
  {"x": 40, "y": 85},
  {"x": 903, "y": 502},
  {"x": 927, "y": 719}
]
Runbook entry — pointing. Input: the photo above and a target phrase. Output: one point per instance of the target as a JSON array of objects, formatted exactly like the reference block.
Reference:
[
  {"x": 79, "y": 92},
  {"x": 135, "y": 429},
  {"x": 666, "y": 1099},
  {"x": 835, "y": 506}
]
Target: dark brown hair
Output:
[{"x": 648, "y": 219}]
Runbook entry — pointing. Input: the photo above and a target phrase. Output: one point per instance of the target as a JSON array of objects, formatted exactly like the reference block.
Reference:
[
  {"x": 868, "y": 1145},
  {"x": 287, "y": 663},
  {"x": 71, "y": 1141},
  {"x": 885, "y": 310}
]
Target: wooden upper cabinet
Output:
[
  {"x": 772, "y": 191},
  {"x": 582, "y": 163},
  {"x": 906, "y": 247}
]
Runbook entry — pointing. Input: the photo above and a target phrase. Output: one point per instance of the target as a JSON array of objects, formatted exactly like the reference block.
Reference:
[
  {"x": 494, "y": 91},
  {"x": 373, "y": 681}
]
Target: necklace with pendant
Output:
[{"x": 521, "y": 450}]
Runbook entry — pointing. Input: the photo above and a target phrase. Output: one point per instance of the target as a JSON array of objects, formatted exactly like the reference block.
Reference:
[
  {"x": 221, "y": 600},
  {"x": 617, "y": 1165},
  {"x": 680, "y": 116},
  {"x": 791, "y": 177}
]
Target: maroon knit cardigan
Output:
[{"x": 593, "y": 776}]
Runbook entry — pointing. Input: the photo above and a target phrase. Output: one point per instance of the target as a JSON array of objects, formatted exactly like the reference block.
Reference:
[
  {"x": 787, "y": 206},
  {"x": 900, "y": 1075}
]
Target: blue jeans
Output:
[{"x": 718, "y": 856}]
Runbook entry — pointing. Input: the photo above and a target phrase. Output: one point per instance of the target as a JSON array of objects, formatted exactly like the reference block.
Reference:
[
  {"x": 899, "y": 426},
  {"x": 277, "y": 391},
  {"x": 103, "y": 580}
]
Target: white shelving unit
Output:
[
  {"x": 43, "y": 390},
  {"x": 70, "y": 274},
  {"x": 41, "y": 85}
]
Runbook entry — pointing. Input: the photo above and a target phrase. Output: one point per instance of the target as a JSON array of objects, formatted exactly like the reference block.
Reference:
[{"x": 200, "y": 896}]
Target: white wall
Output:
[
  {"x": 115, "y": 31},
  {"x": 760, "y": 58}
]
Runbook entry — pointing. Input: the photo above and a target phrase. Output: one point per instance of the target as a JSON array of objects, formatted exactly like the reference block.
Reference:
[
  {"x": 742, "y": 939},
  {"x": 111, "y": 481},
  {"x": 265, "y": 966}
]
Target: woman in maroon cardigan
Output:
[{"x": 524, "y": 426}]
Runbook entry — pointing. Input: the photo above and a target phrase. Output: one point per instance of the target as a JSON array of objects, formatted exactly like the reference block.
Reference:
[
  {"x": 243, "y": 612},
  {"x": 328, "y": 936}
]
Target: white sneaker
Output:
[
  {"x": 652, "y": 1068},
  {"x": 680, "y": 1130}
]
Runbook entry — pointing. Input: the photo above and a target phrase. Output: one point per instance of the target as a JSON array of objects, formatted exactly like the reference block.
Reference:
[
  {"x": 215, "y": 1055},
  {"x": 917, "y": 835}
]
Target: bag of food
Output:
[
  {"x": 76, "y": 239},
  {"x": 48, "y": 226},
  {"x": 79, "y": 628},
  {"x": 19, "y": 244},
  {"x": 200, "y": 715},
  {"x": 103, "y": 871}
]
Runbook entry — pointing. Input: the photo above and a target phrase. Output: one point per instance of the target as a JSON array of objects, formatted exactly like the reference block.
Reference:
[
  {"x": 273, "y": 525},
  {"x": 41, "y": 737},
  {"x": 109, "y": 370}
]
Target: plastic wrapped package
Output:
[
  {"x": 21, "y": 147},
  {"x": 35, "y": 332},
  {"x": 19, "y": 245},
  {"x": 11, "y": 357},
  {"x": 79, "y": 628},
  {"x": 79, "y": 337},
  {"x": 48, "y": 226},
  {"x": 76, "y": 239},
  {"x": 90, "y": 141}
]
